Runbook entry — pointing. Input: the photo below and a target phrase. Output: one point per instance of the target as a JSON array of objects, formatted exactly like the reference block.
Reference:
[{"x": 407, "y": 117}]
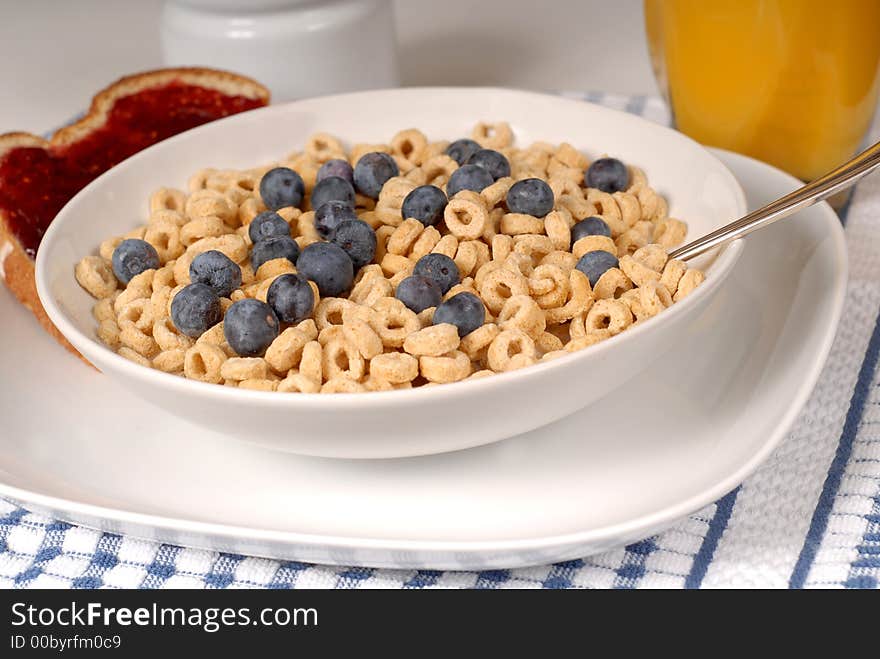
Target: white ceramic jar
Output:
[{"x": 297, "y": 48}]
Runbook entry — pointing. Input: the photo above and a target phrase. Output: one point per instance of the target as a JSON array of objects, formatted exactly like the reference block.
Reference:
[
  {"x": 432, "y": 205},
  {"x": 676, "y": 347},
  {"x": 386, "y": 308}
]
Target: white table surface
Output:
[{"x": 54, "y": 54}]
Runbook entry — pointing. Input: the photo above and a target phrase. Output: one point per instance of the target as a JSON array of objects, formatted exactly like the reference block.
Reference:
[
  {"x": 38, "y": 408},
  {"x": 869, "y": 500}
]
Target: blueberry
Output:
[
  {"x": 277, "y": 247},
  {"x": 266, "y": 225},
  {"x": 131, "y": 257},
  {"x": 465, "y": 311},
  {"x": 336, "y": 167},
  {"x": 594, "y": 264},
  {"x": 425, "y": 203},
  {"x": 217, "y": 271},
  {"x": 331, "y": 215},
  {"x": 461, "y": 150},
  {"x": 333, "y": 188},
  {"x": 468, "y": 177},
  {"x": 493, "y": 162},
  {"x": 250, "y": 326},
  {"x": 531, "y": 196},
  {"x": 419, "y": 293},
  {"x": 328, "y": 266},
  {"x": 592, "y": 226},
  {"x": 358, "y": 240},
  {"x": 371, "y": 172},
  {"x": 440, "y": 268},
  {"x": 281, "y": 187},
  {"x": 607, "y": 174},
  {"x": 195, "y": 309},
  {"x": 291, "y": 298}
]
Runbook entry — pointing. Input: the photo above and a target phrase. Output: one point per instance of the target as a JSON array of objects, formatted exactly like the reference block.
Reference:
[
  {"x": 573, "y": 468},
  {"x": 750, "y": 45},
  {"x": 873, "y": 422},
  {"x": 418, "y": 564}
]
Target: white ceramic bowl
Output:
[{"x": 410, "y": 422}]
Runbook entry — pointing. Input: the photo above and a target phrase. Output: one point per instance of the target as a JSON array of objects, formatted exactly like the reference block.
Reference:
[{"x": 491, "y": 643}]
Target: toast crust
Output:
[{"x": 16, "y": 266}]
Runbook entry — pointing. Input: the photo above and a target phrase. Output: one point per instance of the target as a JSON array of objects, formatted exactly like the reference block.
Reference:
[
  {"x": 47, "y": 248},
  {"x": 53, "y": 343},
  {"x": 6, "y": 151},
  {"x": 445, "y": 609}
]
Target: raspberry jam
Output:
[{"x": 35, "y": 183}]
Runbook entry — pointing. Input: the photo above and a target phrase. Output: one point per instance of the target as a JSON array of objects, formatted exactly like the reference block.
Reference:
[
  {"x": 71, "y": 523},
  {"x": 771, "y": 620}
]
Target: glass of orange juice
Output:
[{"x": 790, "y": 82}]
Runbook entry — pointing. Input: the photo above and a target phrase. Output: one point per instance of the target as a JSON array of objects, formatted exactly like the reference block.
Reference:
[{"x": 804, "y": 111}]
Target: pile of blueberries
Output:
[{"x": 348, "y": 244}]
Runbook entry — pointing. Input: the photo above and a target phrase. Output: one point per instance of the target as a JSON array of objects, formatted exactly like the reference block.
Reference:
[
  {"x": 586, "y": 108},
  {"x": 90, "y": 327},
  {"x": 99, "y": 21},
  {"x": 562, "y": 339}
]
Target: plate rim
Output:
[{"x": 632, "y": 527}]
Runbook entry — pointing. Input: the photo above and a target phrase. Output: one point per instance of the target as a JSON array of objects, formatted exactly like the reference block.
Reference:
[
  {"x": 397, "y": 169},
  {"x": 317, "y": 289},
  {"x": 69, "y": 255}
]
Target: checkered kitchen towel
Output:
[{"x": 809, "y": 517}]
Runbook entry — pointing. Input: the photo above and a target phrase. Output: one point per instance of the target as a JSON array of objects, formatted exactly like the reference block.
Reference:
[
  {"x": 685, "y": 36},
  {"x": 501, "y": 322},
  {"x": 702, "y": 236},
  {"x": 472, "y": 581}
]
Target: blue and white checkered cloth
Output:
[{"x": 809, "y": 517}]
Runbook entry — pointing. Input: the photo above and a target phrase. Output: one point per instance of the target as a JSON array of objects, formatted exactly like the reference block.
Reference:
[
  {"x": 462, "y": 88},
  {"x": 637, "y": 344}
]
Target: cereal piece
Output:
[
  {"x": 285, "y": 351},
  {"x": 447, "y": 245},
  {"x": 500, "y": 285},
  {"x": 565, "y": 260},
  {"x": 669, "y": 232},
  {"x": 342, "y": 384},
  {"x": 311, "y": 363},
  {"x": 522, "y": 312},
  {"x": 170, "y": 361},
  {"x": 273, "y": 268},
  {"x": 502, "y": 246},
  {"x": 466, "y": 215},
  {"x": 558, "y": 230},
  {"x": 404, "y": 237},
  {"x": 203, "y": 362},
  {"x": 426, "y": 316},
  {"x": 201, "y": 227},
  {"x": 95, "y": 275},
  {"x": 508, "y": 344},
  {"x": 374, "y": 383},
  {"x": 474, "y": 345},
  {"x": 244, "y": 368},
  {"x": 593, "y": 244},
  {"x": 586, "y": 341},
  {"x": 135, "y": 233},
  {"x": 652, "y": 256},
  {"x": 493, "y": 226},
  {"x": 515, "y": 224},
  {"x": 393, "y": 322},
  {"x": 548, "y": 342},
  {"x": 106, "y": 249},
  {"x": 433, "y": 341},
  {"x": 426, "y": 241},
  {"x": 494, "y": 194},
  {"x": 361, "y": 335},
  {"x": 580, "y": 297},
  {"x": 329, "y": 311},
  {"x": 167, "y": 199},
  {"x": 134, "y": 356},
  {"x": 139, "y": 341},
  {"x": 139, "y": 286},
  {"x": 342, "y": 358},
  {"x": 394, "y": 264},
  {"x": 323, "y": 147},
  {"x": 553, "y": 354},
  {"x": 331, "y": 333},
  {"x": 688, "y": 282},
  {"x": 394, "y": 367},
  {"x": 466, "y": 257},
  {"x": 612, "y": 315},
  {"x": 611, "y": 284},
  {"x": 638, "y": 273},
  {"x": 608, "y": 210},
  {"x": 654, "y": 297},
  {"x": 258, "y": 384},
  {"x": 632, "y": 239},
  {"x": 466, "y": 286},
  {"x": 208, "y": 203},
  {"x": 672, "y": 274},
  {"x": 167, "y": 337},
  {"x": 139, "y": 312},
  {"x": 479, "y": 375},
  {"x": 492, "y": 135},
  {"x": 451, "y": 367},
  {"x": 103, "y": 309},
  {"x": 534, "y": 246},
  {"x": 299, "y": 383},
  {"x": 108, "y": 333},
  {"x": 164, "y": 236},
  {"x": 549, "y": 286}
]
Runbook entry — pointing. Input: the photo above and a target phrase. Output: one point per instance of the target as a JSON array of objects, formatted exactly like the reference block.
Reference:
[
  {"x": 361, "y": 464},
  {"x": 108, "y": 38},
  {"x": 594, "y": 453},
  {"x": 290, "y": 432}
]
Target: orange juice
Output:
[{"x": 790, "y": 82}]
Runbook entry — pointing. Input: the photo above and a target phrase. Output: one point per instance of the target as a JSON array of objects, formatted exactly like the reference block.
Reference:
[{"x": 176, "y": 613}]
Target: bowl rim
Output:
[{"x": 99, "y": 354}]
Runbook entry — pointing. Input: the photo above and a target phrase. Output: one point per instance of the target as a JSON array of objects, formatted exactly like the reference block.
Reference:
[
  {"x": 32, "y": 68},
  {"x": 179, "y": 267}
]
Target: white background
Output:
[{"x": 54, "y": 54}]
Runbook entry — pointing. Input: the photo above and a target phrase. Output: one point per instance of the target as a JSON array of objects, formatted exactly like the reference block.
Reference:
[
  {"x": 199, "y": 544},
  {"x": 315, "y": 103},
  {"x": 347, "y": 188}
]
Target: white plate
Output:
[
  {"x": 687, "y": 431},
  {"x": 425, "y": 419}
]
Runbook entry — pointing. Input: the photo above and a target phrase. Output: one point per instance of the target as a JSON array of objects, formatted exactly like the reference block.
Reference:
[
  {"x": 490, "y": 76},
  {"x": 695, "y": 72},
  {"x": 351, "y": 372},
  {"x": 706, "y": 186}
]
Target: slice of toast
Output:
[{"x": 38, "y": 176}]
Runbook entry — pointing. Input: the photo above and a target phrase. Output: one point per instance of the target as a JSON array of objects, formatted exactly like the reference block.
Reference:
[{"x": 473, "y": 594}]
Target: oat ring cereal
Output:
[{"x": 349, "y": 268}]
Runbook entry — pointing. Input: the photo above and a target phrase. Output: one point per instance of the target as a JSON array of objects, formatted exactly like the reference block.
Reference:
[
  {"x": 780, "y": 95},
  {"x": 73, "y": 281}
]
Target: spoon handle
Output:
[{"x": 837, "y": 179}]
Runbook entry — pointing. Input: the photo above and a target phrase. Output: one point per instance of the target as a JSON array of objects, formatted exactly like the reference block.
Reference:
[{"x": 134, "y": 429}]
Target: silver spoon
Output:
[{"x": 823, "y": 187}]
